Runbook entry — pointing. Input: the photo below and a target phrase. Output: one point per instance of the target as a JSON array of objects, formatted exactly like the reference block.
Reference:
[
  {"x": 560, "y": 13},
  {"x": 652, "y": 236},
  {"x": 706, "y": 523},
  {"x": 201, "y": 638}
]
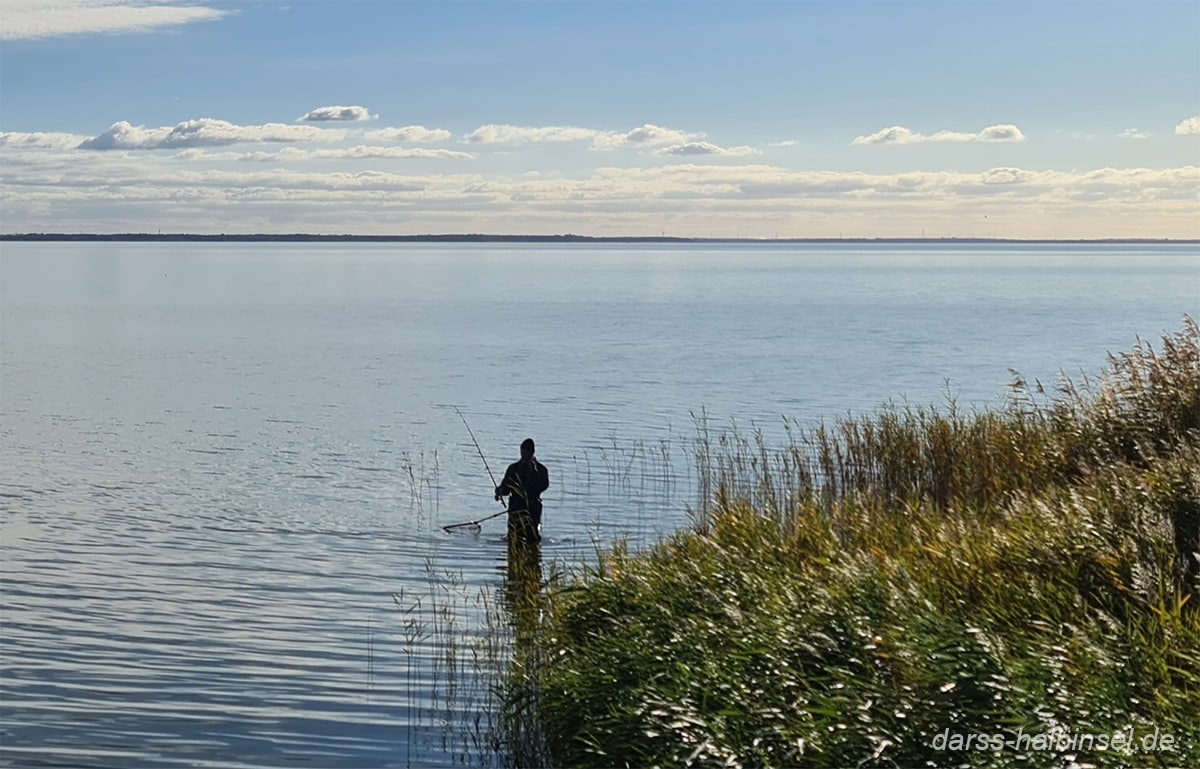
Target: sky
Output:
[{"x": 789, "y": 119}]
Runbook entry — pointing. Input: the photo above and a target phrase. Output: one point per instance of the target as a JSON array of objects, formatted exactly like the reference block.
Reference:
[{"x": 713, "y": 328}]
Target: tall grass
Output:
[
  {"x": 470, "y": 653},
  {"x": 469, "y": 656},
  {"x": 857, "y": 595}
]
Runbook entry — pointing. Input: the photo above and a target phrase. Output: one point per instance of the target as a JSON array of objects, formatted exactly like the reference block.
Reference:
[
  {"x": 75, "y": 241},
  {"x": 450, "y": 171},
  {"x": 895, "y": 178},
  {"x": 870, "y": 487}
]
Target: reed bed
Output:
[
  {"x": 879, "y": 587},
  {"x": 470, "y": 652},
  {"x": 450, "y": 672}
]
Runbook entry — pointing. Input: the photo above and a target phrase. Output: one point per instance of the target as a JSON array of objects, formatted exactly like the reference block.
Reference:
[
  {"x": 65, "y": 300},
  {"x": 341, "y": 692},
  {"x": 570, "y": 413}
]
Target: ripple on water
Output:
[{"x": 154, "y": 637}]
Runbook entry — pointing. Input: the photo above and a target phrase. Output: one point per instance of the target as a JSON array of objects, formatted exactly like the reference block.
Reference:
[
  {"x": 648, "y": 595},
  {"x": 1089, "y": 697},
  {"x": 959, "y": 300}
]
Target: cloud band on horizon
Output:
[
  {"x": 901, "y": 135},
  {"x": 203, "y": 132}
]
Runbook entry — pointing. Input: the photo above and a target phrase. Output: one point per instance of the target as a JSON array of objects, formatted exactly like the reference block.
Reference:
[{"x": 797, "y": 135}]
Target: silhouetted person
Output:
[{"x": 523, "y": 484}]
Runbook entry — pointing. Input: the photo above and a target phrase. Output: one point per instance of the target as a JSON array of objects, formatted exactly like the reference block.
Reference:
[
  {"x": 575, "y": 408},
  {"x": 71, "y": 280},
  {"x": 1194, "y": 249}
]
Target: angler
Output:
[{"x": 523, "y": 484}]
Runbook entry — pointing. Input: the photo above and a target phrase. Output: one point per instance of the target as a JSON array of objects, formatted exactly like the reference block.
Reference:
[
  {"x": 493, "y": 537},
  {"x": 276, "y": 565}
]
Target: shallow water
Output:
[{"x": 226, "y": 466}]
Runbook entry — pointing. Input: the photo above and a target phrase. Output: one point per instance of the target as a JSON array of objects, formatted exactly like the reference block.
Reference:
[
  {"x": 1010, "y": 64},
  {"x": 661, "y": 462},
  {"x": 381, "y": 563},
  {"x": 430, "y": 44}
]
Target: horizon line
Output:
[{"x": 297, "y": 237}]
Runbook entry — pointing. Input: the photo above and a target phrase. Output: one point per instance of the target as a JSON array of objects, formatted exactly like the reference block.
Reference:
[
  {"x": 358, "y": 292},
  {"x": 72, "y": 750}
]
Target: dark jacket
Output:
[{"x": 524, "y": 481}]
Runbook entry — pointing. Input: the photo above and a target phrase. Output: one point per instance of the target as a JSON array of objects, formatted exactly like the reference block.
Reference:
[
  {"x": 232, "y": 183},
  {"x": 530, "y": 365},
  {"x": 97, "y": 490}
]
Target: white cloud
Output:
[
  {"x": 646, "y": 135},
  {"x": 946, "y": 136},
  {"x": 333, "y": 114},
  {"x": 894, "y": 135},
  {"x": 203, "y": 132},
  {"x": 34, "y": 19},
  {"x": 1133, "y": 133},
  {"x": 652, "y": 134},
  {"x": 705, "y": 148},
  {"x": 1006, "y": 176},
  {"x": 414, "y": 134},
  {"x": 361, "y": 152},
  {"x": 1189, "y": 127},
  {"x": 56, "y": 141},
  {"x": 511, "y": 134},
  {"x": 902, "y": 135},
  {"x": 1001, "y": 133}
]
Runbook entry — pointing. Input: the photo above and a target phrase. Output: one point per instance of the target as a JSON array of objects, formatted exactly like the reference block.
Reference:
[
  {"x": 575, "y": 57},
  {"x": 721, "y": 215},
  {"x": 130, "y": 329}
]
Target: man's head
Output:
[{"x": 527, "y": 448}]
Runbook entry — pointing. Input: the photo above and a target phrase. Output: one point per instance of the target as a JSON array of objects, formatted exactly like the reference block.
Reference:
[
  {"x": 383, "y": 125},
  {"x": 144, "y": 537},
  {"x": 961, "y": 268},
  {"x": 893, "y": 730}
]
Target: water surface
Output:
[{"x": 226, "y": 466}]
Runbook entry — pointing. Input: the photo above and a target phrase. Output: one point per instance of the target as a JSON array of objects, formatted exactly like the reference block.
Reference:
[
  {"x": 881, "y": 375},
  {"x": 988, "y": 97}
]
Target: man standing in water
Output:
[{"x": 523, "y": 484}]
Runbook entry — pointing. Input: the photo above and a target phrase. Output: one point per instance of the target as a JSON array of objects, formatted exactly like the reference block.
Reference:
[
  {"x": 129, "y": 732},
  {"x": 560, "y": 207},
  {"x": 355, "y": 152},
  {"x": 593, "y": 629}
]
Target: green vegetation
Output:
[{"x": 872, "y": 590}]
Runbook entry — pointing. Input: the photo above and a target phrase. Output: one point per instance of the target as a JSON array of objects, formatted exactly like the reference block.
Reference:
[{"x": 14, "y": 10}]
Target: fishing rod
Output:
[
  {"x": 475, "y": 524},
  {"x": 481, "y": 456}
]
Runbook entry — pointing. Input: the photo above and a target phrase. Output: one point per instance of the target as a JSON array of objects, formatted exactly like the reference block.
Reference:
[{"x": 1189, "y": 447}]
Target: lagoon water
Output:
[{"x": 224, "y": 468}]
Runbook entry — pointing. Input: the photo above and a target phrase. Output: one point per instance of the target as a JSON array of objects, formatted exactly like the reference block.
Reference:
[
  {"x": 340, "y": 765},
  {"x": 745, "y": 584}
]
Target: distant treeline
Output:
[{"x": 300, "y": 237}]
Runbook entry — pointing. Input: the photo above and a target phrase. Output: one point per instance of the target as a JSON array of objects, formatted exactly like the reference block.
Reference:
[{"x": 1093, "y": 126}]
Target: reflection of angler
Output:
[
  {"x": 523, "y": 484},
  {"x": 524, "y": 580}
]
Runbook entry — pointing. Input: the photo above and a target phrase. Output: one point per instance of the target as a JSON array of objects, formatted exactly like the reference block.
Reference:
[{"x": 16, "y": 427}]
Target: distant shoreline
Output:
[{"x": 483, "y": 238}]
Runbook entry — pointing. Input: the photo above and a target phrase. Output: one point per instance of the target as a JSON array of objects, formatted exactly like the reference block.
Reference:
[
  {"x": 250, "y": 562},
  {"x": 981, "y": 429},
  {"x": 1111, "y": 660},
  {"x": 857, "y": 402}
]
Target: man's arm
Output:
[
  {"x": 510, "y": 484},
  {"x": 507, "y": 486}
]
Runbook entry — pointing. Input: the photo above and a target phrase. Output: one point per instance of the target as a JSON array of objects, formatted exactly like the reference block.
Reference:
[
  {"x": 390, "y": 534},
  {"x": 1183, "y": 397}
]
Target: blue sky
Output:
[{"x": 791, "y": 119}]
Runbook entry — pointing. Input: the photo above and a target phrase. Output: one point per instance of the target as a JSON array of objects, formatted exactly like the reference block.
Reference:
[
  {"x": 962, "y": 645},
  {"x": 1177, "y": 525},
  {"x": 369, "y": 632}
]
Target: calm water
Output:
[{"x": 224, "y": 468}]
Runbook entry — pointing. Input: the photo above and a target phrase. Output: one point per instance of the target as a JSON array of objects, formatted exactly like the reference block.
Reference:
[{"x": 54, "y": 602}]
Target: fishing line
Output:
[
  {"x": 475, "y": 524},
  {"x": 481, "y": 456}
]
